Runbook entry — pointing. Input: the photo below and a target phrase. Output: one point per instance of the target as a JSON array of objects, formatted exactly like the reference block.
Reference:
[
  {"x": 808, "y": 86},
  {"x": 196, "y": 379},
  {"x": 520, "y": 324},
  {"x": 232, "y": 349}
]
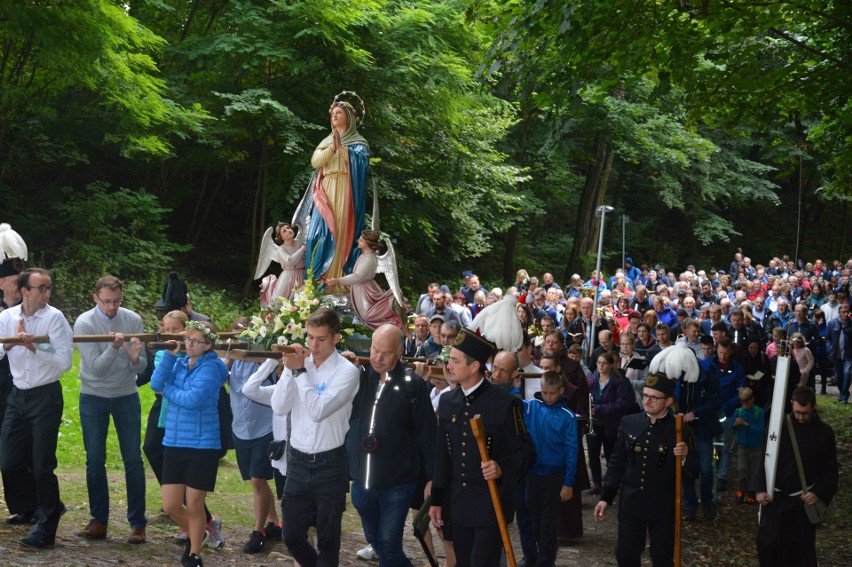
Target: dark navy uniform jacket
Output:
[
  {"x": 642, "y": 465},
  {"x": 458, "y": 475}
]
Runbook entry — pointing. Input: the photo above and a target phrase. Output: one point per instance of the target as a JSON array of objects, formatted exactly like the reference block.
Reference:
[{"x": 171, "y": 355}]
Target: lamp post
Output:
[
  {"x": 600, "y": 212},
  {"x": 624, "y": 221}
]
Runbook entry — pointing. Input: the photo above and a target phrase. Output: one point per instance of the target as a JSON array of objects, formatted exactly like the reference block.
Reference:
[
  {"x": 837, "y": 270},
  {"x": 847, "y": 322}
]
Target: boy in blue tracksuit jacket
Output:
[
  {"x": 550, "y": 481},
  {"x": 749, "y": 424}
]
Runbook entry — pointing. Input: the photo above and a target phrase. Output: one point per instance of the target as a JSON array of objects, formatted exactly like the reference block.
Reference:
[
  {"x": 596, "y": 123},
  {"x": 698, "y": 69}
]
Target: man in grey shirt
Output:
[{"x": 108, "y": 388}]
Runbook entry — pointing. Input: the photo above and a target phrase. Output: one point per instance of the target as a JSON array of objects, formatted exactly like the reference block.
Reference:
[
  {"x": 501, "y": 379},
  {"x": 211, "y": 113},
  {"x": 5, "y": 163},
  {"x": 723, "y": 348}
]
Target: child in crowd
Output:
[
  {"x": 779, "y": 335},
  {"x": 553, "y": 429},
  {"x": 804, "y": 358},
  {"x": 749, "y": 423}
]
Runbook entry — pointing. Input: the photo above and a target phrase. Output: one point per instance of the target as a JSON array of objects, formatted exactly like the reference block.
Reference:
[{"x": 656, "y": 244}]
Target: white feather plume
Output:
[
  {"x": 674, "y": 361},
  {"x": 11, "y": 244},
  {"x": 499, "y": 323}
]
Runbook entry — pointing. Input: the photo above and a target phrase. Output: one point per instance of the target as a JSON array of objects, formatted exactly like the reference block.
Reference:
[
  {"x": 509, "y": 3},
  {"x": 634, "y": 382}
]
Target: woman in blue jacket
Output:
[{"x": 192, "y": 441}]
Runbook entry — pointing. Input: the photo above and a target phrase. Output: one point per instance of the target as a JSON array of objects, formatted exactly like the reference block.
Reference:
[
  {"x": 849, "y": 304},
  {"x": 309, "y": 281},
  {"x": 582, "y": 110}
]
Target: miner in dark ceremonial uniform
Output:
[
  {"x": 643, "y": 465},
  {"x": 785, "y": 536},
  {"x": 21, "y": 498},
  {"x": 461, "y": 477}
]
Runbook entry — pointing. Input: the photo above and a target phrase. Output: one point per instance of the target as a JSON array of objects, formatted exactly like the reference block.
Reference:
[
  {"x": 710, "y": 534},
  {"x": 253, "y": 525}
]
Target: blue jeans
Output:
[
  {"x": 383, "y": 512},
  {"x": 126, "y": 412},
  {"x": 726, "y": 452},
  {"x": 705, "y": 459},
  {"x": 845, "y": 367}
]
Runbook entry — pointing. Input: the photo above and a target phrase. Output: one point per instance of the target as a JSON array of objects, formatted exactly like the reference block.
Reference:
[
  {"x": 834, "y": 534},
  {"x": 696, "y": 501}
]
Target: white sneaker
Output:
[
  {"x": 367, "y": 554},
  {"x": 213, "y": 534}
]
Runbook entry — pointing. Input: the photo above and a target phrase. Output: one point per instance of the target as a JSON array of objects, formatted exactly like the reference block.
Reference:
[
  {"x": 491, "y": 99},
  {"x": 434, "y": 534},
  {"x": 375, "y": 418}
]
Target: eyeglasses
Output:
[
  {"x": 195, "y": 342},
  {"x": 653, "y": 398},
  {"x": 42, "y": 288},
  {"x": 109, "y": 302},
  {"x": 803, "y": 413}
]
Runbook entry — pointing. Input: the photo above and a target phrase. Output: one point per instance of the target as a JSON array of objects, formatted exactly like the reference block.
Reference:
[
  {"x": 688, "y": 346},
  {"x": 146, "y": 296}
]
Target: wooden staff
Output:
[
  {"x": 479, "y": 433},
  {"x": 678, "y": 490},
  {"x": 144, "y": 337}
]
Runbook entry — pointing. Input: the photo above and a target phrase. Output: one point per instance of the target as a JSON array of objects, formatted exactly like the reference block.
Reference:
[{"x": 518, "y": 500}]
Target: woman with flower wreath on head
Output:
[
  {"x": 193, "y": 440},
  {"x": 336, "y": 196}
]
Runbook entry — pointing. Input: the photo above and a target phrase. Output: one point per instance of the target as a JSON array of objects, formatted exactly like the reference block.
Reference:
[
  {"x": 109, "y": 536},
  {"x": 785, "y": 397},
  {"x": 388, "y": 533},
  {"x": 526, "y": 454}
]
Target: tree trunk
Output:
[
  {"x": 587, "y": 227},
  {"x": 521, "y": 160},
  {"x": 259, "y": 214},
  {"x": 509, "y": 255}
]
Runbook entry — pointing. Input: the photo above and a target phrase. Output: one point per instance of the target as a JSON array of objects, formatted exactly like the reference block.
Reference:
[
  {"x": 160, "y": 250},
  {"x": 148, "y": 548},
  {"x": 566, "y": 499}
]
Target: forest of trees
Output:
[{"x": 144, "y": 135}]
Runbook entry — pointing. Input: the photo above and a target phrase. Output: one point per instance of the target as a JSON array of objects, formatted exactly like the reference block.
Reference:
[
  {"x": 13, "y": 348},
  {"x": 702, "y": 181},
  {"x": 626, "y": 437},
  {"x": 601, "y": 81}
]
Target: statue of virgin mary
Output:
[{"x": 334, "y": 204}]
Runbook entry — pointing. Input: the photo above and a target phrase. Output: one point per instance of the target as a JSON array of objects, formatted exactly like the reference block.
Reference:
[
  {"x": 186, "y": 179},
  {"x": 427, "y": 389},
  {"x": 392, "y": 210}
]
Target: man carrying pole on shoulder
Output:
[
  {"x": 391, "y": 432},
  {"x": 317, "y": 388},
  {"x": 31, "y": 426},
  {"x": 108, "y": 388}
]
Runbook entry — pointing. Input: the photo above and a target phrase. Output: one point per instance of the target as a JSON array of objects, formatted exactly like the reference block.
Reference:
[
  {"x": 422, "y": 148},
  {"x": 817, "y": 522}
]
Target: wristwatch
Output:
[{"x": 298, "y": 371}]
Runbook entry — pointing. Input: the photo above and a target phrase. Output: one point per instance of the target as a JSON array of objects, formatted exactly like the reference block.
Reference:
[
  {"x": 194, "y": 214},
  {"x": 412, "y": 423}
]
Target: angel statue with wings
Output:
[
  {"x": 371, "y": 305},
  {"x": 282, "y": 247},
  {"x": 333, "y": 206}
]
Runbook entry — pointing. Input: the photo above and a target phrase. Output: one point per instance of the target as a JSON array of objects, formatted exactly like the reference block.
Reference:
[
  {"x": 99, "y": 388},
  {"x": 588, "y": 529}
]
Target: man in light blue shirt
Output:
[{"x": 252, "y": 428}]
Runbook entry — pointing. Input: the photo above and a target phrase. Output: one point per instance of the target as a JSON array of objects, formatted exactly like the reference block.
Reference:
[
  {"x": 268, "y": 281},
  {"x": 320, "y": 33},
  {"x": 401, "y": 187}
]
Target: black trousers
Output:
[
  {"x": 28, "y": 439},
  {"x": 315, "y": 494},
  {"x": 22, "y": 498},
  {"x": 785, "y": 536},
  {"x": 152, "y": 446},
  {"x": 631, "y": 540},
  {"x": 543, "y": 501},
  {"x": 477, "y": 546}
]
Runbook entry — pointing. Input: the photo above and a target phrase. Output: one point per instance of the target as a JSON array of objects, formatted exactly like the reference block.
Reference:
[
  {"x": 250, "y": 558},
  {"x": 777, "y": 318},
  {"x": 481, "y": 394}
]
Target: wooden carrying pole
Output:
[
  {"x": 678, "y": 490},
  {"x": 479, "y": 433},
  {"x": 171, "y": 346},
  {"x": 144, "y": 337}
]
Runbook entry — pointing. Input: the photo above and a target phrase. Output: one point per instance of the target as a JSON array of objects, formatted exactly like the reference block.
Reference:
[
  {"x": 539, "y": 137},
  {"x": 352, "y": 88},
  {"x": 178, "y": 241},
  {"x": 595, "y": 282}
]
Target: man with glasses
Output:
[
  {"x": 108, "y": 388},
  {"x": 34, "y": 412},
  {"x": 449, "y": 331},
  {"x": 839, "y": 347},
  {"x": 642, "y": 466},
  {"x": 785, "y": 536}
]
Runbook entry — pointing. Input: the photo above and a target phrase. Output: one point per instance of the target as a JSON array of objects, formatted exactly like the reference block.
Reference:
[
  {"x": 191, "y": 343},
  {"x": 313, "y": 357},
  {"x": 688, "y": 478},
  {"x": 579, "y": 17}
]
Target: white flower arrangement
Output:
[{"x": 285, "y": 322}]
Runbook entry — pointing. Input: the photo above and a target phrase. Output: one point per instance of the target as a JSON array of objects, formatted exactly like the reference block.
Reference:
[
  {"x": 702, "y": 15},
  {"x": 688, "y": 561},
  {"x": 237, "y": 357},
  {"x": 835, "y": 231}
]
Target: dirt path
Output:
[
  {"x": 727, "y": 542},
  {"x": 595, "y": 549}
]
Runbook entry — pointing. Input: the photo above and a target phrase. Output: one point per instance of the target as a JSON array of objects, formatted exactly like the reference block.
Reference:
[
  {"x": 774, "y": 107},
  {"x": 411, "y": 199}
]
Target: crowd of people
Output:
[
  {"x": 319, "y": 422},
  {"x": 602, "y": 334}
]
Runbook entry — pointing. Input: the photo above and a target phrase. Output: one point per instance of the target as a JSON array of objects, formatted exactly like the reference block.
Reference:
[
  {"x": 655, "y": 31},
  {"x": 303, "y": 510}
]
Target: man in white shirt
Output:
[
  {"x": 31, "y": 425},
  {"x": 317, "y": 387}
]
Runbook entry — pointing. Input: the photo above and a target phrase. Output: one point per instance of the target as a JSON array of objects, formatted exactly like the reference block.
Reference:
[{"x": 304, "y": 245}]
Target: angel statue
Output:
[
  {"x": 332, "y": 209},
  {"x": 371, "y": 305},
  {"x": 282, "y": 247}
]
